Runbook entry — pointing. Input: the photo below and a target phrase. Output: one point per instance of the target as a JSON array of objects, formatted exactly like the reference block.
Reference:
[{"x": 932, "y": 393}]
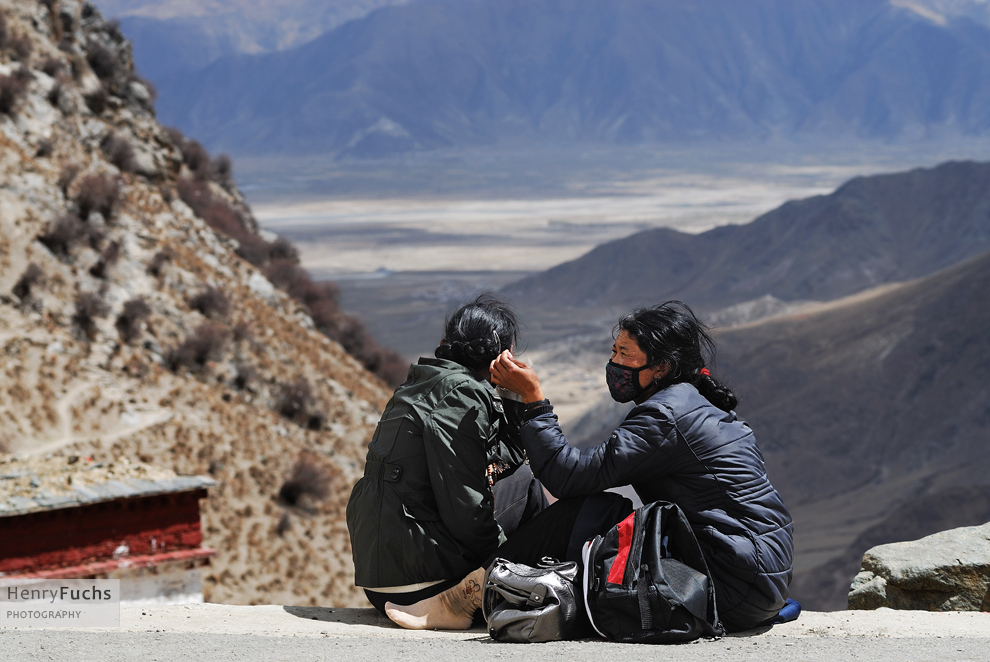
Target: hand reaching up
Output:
[{"x": 510, "y": 373}]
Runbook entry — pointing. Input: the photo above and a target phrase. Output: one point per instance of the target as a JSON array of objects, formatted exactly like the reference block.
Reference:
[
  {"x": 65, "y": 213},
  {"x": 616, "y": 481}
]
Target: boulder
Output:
[{"x": 947, "y": 571}]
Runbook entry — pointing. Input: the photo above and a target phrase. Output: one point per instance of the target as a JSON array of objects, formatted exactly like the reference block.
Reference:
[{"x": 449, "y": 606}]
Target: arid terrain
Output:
[{"x": 134, "y": 329}]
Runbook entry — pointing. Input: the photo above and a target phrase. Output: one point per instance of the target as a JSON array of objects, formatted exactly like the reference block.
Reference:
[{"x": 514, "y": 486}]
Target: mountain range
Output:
[
  {"x": 454, "y": 73},
  {"x": 852, "y": 327},
  {"x": 869, "y": 231},
  {"x": 873, "y": 414},
  {"x": 174, "y": 35}
]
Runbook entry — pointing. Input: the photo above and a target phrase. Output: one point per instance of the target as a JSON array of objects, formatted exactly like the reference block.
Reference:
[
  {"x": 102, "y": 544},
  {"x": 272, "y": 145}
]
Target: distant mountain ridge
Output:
[
  {"x": 873, "y": 416},
  {"x": 870, "y": 231},
  {"x": 450, "y": 73},
  {"x": 174, "y": 35}
]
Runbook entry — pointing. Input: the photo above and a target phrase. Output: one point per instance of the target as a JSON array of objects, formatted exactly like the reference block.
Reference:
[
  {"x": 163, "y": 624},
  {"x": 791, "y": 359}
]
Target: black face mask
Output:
[{"x": 623, "y": 382}]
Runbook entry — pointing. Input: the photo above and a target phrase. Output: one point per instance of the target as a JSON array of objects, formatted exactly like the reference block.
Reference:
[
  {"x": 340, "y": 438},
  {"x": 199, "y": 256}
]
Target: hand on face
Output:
[{"x": 510, "y": 373}]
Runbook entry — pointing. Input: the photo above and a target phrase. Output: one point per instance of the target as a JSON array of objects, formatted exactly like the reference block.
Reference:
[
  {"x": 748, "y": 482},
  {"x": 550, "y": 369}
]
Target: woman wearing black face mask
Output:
[{"x": 681, "y": 443}]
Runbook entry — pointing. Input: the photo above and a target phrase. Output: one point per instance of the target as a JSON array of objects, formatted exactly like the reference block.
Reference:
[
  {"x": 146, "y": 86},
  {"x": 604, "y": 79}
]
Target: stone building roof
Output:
[{"x": 36, "y": 484}]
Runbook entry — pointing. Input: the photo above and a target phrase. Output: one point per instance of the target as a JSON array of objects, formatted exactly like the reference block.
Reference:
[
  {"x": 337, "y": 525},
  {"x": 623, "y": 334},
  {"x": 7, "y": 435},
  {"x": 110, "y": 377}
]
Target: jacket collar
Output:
[{"x": 453, "y": 366}]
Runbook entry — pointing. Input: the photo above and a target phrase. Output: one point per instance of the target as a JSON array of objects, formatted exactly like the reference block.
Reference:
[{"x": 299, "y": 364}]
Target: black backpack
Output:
[{"x": 646, "y": 580}]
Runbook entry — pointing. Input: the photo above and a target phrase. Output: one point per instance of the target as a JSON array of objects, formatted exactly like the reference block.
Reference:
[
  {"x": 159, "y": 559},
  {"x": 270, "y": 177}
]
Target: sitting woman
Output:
[
  {"x": 681, "y": 443},
  {"x": 423, "y": 515}
]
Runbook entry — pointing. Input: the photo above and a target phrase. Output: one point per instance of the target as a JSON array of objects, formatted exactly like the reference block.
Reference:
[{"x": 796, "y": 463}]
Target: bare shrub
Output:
[
  {"x": 283, "y": 249},
  {"x": 12, "y": 89},
  {"x": 242, "y": 332},
  {"x": 67, "y": 176},
  {"x": 176, "y": 136},
  {"x": 321, "y": 300},
  {"x": 55, "y": 95},
  {"x": 97, "y": 100},
  {"x": 309, "y": 478},
  {"x": 223, "y": 168},
  {"x": 245, "y": 376},
  {"x": 283, "y": 526},
  {"x": 223, "y": 218},
  {"x": 53, "y": 66},
  {"x": 157, "y": 265},
  {"x": 31, "y": 277},
  {"x": 45, "y": 148},
  {"x": 316, "y": 420},
  {"x": 119, "y": 152},
  {"x": 216, "y": 212},
  {"x": 295, "y": 281},
  {"x": 198, "y": 160},
  {"x": 252, "y": 248},
  {"x": 385, "y": 363},
  {"x": 128, "y": 323},
  {"x": 89, "y": 307},
  {"x": 211, "y": 302},
  {"x": 63, "y": 233},
  {"x": 21, "y": 48},
  {"x": 97, "y": 193},
  {"x": 195, "y": 156},
  {"x": 108, "y": 258},
  {"x": 102, "y": 61},
  {"x": 95, "y": 236},
  {"x": 294, "y": 399},
  {"x": 205, "y": 344},
  {"x": 113, "y": 29}
]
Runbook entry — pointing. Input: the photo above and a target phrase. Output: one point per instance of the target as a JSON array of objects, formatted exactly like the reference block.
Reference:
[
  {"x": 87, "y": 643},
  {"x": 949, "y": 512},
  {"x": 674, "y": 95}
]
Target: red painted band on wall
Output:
[
  {"x": 100, "y": 532},
  {"x": 196, "y": 557}
]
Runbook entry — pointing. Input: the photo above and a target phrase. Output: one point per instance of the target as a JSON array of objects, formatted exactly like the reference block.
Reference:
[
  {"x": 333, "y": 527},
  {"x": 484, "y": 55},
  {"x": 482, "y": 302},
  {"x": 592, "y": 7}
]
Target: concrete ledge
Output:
[
  {"x": 263, "y": 634},
  {"x": 278, "y": 621}
]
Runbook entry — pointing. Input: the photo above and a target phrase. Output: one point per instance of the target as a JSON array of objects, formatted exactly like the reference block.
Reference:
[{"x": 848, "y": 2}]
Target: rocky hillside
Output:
[{"x": 143, "y": 317}]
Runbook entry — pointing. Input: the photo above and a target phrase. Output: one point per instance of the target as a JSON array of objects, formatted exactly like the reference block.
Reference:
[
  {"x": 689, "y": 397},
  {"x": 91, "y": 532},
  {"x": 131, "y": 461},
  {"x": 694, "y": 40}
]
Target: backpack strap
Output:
[
  {"x": 587, "y": 559},
  {"x": 643, "y": 593}
]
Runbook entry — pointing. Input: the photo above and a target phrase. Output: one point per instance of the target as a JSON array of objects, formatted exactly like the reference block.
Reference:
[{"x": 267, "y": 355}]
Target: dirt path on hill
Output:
[{"x": 137, "y": 421}]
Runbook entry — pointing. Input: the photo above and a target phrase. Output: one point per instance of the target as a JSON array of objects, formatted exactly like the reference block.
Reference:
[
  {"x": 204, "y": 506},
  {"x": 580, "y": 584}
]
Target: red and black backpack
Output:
[{"x": 646, "y": 580}]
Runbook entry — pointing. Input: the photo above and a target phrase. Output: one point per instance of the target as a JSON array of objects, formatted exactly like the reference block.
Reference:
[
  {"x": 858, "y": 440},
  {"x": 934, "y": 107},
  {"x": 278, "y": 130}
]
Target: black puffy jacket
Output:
[{"x": 678, "y": 447}]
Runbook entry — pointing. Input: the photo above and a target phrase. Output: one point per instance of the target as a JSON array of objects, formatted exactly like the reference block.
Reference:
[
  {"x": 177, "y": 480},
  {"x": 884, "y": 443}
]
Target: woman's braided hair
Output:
[
  {"x": 672, "y": 335},
  {"x": 475, "y": 334}
]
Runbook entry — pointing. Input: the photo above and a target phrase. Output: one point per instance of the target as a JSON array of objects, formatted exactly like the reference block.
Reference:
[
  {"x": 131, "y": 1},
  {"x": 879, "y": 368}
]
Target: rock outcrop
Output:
[
  {"x": 947, "y": 571},
  {"x": 143, "y": 319}
]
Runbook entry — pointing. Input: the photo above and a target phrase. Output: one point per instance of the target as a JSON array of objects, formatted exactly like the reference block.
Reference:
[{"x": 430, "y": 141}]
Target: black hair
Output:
[
  {"x": 476, "y": 333},
  {"x": 671, "y": 335}
]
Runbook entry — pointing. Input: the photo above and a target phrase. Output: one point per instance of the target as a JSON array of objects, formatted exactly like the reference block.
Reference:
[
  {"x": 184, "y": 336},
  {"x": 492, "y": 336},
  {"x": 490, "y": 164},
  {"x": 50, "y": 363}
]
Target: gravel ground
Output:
[{"x": 271, "y": 633}]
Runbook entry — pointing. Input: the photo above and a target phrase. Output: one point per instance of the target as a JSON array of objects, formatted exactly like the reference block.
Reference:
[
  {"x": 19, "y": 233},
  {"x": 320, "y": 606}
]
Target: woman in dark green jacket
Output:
[{"x": 422, "y": 516}]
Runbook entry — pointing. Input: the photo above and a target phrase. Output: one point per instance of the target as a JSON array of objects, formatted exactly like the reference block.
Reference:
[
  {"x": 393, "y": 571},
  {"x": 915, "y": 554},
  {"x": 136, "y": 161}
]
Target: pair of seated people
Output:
[{"x": 446, "y": 489}]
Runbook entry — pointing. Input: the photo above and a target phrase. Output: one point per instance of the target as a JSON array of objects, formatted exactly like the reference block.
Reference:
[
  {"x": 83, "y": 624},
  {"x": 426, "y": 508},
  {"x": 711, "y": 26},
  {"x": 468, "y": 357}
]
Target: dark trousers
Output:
[{"x": 561, "y": 530}]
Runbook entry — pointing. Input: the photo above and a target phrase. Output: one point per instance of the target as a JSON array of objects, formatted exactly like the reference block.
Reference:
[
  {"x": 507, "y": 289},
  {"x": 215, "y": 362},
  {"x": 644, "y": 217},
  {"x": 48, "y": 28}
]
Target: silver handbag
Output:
[{"x": 529, "y": 605}]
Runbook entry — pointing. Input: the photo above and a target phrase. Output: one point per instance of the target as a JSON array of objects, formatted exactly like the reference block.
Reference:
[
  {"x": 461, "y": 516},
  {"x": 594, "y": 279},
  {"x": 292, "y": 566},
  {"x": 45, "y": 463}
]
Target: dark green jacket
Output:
[{"x": 423, "y": 511}]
